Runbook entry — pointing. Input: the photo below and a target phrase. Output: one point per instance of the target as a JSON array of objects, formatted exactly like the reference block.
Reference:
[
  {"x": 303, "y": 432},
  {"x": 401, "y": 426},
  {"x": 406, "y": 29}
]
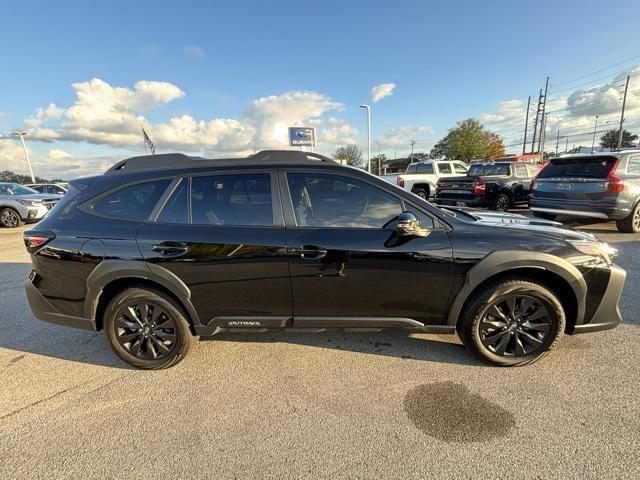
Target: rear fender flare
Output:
[
  {"x": 501, "y": 262},
  {"x": 110, "y": 270}
]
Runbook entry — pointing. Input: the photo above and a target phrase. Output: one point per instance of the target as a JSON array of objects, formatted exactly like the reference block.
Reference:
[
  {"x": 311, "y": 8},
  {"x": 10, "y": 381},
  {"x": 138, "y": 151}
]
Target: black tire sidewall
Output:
[
  {"x": 470, "y": 327},
  {"x": 417, "y": 192},
  {"x": 184, "y": 335}
]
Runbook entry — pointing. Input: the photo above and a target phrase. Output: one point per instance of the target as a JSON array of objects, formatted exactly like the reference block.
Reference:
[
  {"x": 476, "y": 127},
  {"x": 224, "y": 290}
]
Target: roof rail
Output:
[
  {"x": 152, "y": 162},
  {"x": 289, "y": 156}
]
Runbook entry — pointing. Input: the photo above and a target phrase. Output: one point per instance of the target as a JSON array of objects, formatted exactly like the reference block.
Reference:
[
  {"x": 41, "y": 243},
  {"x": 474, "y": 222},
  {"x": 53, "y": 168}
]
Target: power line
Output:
[{"x": 597, "y": 71}]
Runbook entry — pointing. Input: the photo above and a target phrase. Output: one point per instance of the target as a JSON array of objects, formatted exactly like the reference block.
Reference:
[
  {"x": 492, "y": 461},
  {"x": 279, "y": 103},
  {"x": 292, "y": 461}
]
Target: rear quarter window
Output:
[
  {"x": 135, "y": 202},
  {"x": 598, "y": 167}
]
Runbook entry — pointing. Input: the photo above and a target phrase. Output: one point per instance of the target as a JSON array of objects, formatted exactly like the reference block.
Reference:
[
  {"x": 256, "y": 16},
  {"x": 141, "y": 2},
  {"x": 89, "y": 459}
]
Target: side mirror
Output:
[{"x": 407, "y": 225}]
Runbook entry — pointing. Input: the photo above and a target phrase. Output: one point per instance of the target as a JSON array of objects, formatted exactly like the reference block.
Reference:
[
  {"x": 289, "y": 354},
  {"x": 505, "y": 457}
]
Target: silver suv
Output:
[{"x": 20, "y": 204}]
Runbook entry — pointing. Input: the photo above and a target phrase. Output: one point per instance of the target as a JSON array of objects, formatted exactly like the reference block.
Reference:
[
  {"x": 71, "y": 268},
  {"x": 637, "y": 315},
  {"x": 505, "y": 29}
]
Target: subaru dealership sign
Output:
[{"x": 302, "y": 137}]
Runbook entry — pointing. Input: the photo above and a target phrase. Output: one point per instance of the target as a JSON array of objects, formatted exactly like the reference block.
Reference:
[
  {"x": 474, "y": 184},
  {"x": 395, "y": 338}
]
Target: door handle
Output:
[
  {"x": 170, "y": 249},
  {"x": 310, "y": 252}
]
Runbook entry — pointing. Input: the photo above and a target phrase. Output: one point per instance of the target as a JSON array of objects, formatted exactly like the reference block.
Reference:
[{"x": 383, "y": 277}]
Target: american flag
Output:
[{"x": 148, "y": 142}]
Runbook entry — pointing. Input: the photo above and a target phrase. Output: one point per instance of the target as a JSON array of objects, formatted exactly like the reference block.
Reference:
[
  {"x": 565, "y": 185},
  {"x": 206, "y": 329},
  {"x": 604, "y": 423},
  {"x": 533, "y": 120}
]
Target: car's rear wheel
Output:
[
  {"x": 546, "y": 216},
  {"x": 512, "y": 322},
  {"x": 421, "y": 192},
  {"x": 10, "y": 218},
  {"x": 630, "y": 224},
  {"x": 147, "y": 328},
  {"x": 502, "y": 202}
]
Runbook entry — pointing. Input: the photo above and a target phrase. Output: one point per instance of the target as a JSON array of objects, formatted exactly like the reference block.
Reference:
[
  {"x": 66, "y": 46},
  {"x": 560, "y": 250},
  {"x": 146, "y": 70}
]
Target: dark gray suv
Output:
[{"x": 602, "y": 185}]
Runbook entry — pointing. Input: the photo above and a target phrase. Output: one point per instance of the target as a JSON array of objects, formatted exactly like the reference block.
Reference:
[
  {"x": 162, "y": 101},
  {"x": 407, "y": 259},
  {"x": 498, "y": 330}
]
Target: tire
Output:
[
  {"x": 501, "y": 203},
  {"x": 484, "y": 334},
  {"x": 546, "y": 216},
  {"x": 630, "y": 224},
  {"x": 138, "y": 342},
  {"x": 421, "y": 192},
  {"x": 10, "y": 218}
]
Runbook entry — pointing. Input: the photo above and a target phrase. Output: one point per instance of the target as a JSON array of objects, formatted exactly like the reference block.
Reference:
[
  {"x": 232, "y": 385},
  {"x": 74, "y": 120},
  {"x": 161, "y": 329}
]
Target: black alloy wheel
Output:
[
  {"x": 147, "y": 328},
  {"x": 10, "y": 218},
  {"x": 515, "y": 325},
  {"x": 512, "y": 322},
  {"x": 502, "y": 202}
]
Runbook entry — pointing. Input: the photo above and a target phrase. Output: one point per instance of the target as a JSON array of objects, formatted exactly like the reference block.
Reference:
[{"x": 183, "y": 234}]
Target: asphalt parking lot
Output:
[{"x": 329, "y": 405}]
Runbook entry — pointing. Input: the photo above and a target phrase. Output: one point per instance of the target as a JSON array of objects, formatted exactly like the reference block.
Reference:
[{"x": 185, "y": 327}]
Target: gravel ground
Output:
[{"x": 329, "y": 405}]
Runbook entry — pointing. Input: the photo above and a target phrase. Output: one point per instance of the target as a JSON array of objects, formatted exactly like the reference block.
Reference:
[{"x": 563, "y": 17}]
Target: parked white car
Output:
[{"x": 421, "y": 177}]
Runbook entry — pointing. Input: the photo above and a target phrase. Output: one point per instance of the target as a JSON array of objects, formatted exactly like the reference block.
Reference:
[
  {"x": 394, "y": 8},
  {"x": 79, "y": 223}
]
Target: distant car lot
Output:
[{"x": 324, "y": 405}]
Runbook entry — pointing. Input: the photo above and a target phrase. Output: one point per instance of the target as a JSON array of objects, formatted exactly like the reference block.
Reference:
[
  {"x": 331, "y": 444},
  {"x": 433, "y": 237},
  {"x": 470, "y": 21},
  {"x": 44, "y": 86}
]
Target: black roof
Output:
[{"x": 167, "y": 161}]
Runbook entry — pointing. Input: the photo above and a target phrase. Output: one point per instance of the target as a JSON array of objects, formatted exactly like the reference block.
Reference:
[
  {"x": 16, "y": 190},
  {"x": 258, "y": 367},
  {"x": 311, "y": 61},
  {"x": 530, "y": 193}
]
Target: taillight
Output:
[
  {"x": 438, "y": 187},
  {"x": 36, "y": 240},
  {"x": 532, "y": 185},
  {"x": 614, "y": 183},
  {"x": 400, "y": 182},
  {"x": 479, "y": 187}
]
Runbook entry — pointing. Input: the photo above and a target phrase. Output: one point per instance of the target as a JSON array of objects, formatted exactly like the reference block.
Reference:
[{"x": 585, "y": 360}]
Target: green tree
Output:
[
  {"x": 610, "y": 139},
  {"x": 468, "y": 140},
  {"x": 418, "y": 156},
  {"x": 350, "y": 154}
]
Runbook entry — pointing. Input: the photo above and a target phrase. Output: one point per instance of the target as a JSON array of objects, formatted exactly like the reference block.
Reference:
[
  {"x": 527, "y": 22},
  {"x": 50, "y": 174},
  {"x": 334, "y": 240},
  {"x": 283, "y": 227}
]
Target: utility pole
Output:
[
  {"x": 526, "y": 124},
  {"x": 379, "y": 160},
  {"x": 543, "y": 133},
  {"x": 535, "y": 125},
  {"x": 543, "y": 117},
  {"x": 412, "y": 143},
  {"x": 557, "y": 140},
  {"x": 593, "y": 142},
  {"x": 566, "y": 146},
  {"x": 26, "y": 154},
  {"x": 624, "y": 102}
]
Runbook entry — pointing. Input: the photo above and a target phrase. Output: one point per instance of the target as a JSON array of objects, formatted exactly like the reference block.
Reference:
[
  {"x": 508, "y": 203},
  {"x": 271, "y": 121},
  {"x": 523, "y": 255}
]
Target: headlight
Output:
[
  {"x": 595, "y": 249},
  {"x": 29, "y": 203}
]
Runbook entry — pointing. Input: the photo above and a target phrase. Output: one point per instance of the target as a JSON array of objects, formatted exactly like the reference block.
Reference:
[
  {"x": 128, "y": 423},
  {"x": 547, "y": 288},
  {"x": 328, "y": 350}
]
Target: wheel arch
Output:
[
  {"x": 111, "y": 277},
  {"x": 560, "y": 276}
]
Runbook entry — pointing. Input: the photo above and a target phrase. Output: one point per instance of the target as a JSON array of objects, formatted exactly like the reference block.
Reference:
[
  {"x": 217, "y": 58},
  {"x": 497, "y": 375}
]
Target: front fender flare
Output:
[{"x": 501, "y": 262}]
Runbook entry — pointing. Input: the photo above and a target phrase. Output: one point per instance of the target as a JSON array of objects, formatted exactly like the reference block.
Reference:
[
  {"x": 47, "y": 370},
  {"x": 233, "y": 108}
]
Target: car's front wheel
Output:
[
  {"x": 512, "y": 322},
  {"x": 147, "y": 328},
  {"x": 10, "y": 218}
]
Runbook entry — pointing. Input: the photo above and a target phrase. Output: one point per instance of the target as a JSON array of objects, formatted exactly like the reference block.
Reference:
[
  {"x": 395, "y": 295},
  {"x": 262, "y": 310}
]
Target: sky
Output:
[{"x": 223, "y": 79}]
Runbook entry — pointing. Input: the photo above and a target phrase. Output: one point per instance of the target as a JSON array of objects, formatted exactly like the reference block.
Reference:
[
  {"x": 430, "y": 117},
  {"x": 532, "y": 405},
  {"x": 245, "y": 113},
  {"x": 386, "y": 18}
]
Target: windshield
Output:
[
  {"x": 488, "y": 170},
  {"x": 15, "y": 189},
  {"x": 598, "y": 167}
]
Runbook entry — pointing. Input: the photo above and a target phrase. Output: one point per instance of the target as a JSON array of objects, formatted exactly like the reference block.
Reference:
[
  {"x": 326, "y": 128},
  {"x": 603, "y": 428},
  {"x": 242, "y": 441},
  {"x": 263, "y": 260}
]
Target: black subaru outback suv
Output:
[{"x": 161, "y": 249}]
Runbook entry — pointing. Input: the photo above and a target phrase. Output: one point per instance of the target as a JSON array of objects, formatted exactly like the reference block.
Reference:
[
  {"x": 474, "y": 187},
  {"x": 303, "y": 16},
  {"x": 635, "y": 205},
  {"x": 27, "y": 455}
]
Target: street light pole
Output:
[
  {"x": 26, "y": 154},
  {"x": 593, "y": 142},
  {"x": 368, "y": 136}
]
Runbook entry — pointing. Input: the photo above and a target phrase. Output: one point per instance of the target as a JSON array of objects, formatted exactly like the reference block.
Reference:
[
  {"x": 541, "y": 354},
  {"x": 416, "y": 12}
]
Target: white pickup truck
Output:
[{"x": 421, "y": 177}]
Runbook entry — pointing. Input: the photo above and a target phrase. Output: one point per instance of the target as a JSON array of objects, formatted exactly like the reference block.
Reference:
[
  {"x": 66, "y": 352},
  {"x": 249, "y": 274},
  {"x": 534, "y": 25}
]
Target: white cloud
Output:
[
  {"x": 194, "y": 51},
  {"x": 57, "y": 154},
  {"x": 11, "y": 156},
  {"x": 383, "y": 90},
  {"x": 108, "y": 115}
]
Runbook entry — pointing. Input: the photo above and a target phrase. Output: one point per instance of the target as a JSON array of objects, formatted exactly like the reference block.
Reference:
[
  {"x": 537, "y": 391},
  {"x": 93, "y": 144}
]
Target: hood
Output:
[{"x": 521, "y": 222}]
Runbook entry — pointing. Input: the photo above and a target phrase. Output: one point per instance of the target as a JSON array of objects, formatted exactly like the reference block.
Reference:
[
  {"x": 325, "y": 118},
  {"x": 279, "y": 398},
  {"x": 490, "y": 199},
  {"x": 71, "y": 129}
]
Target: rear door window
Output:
[
  {"x": 135, "y": 202},
  {"x": 598, "y": 167},
  {"x": 444, "y": 167},
  {"x": 235, "y": 199},
  {"x": 176, "y": 210}
]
